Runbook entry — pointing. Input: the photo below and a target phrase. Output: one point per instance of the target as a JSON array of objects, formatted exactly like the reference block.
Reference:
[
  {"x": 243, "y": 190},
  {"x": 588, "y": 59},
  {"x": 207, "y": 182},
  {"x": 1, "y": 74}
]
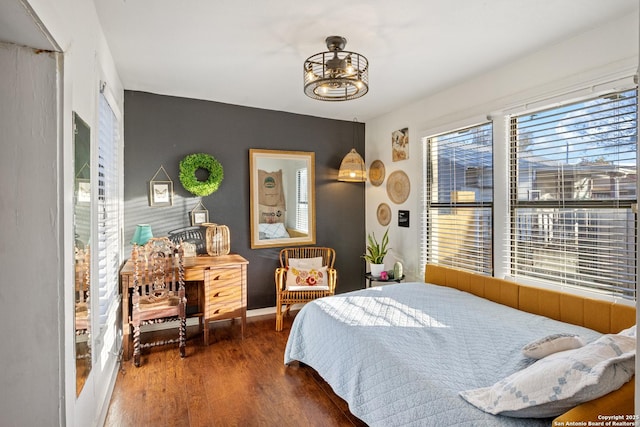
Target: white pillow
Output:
[
  {"x": 560, "y": 381},
  {"x": 307, "y": 279},
  {"x": 629, "y": 332},
  {"x": 306, "y": 262},
  {"x": 273, "y": 231},
  {"x": 552, "y": 344}
]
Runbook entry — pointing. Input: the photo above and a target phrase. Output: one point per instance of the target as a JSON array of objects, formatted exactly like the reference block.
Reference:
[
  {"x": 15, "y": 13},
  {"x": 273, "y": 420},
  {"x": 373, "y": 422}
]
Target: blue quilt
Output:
[{"x": 400, "y": 354}]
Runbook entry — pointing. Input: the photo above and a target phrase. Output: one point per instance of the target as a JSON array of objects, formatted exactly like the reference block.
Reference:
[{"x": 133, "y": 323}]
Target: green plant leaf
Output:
[{"x": 376, "y": 251}]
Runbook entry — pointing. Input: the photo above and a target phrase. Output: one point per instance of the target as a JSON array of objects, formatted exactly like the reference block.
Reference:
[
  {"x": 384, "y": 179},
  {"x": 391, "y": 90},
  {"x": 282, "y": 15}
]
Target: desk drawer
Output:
[
  {"x": 224, "y": 276},
  {"x": 193, "y": 274},
  {"x": 223, "y": 293}
]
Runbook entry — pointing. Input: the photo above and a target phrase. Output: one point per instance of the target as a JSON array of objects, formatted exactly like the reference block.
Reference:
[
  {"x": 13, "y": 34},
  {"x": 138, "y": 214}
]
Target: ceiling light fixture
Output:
[
  {"x": 336, "y": 75},
  {"x": 352, "y": 168}
]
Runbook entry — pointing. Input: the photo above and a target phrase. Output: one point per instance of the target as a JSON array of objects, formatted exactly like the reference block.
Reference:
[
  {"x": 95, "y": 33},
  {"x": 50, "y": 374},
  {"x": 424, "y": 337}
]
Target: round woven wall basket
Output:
[{"x": 398, "y": 187}]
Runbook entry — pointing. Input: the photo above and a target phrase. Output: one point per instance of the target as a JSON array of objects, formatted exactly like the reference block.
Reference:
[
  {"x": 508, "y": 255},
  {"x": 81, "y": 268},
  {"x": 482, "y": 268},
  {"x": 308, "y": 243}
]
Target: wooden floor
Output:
[{"x": 232, "y": 382}]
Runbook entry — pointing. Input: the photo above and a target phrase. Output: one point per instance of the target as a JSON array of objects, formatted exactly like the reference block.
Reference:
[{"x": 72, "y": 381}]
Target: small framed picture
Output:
[
  {"x": 161, "y": 193},
  {"x": 403, "y": 218},
  {"x": 199, "y": 215},
  {"x": 84, "y": 190}
]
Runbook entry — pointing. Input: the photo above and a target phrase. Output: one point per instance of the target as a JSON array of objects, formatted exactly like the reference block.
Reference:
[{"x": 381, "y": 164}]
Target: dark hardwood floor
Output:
[{"x": 231, "y": 382}]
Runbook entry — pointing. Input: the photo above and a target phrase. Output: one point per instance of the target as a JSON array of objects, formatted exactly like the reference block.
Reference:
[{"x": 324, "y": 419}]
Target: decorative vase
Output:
[
  {"x": 376, "y": 269},
  {"x": 397, "y": 270}
]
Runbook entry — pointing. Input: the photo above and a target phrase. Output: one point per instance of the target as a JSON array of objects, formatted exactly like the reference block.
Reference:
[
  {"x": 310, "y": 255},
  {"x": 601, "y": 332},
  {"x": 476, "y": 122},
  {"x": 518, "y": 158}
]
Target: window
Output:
[
  {"x": 302, "y": 201},
  {"x": 457, "y": 198},
  {"x": 573, "y": 194}
]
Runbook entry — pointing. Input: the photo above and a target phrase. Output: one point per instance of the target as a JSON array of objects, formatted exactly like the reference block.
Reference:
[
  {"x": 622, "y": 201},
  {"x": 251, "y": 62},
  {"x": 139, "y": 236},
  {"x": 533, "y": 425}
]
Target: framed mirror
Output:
[
  {"x": 283, "y": 198},
  {"x": 82, "y": 250}
]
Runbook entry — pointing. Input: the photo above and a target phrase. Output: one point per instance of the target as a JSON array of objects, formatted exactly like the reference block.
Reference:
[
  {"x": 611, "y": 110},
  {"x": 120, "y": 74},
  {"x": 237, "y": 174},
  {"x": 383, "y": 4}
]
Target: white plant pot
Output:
[{"x": 376, "y": 269}]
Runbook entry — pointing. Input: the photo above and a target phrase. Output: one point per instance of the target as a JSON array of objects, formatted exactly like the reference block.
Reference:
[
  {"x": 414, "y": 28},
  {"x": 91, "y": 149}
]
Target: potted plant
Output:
[{"x": 376, "y": 252}]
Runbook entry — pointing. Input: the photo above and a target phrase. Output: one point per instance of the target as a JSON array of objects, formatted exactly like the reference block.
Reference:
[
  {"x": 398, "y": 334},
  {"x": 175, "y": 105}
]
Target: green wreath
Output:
[{"x": 188, "y": 167}]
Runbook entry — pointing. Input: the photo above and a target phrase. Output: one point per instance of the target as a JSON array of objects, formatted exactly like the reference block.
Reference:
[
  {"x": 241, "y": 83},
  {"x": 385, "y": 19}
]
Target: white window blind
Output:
[
  {"x": 302, "y": 201},
  {"x": 458, "y": 199},
  {"x": 107, "y": 211},
  {"x": 573, "y": 180}
]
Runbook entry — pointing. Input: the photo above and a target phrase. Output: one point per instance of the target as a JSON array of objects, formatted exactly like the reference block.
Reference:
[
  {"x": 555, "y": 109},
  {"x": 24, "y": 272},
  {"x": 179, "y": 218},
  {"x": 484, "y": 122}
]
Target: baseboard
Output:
[
  {"x": 193, "y": 321},
  {"x": 261, "y": 311},
  {"x": 271, "y": 310}
]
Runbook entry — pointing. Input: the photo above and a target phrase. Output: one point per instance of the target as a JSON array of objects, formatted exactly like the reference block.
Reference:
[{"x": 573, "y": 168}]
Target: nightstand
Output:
[{"x": 368, "y": 279}]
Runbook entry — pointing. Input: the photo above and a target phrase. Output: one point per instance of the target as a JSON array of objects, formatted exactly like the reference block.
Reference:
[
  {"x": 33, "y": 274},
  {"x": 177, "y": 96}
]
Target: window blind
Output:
[
  {"x": 573, "y": 181},
  {"x": 302, "y": 201},
  {"x": 107, "y": 211},
  {"x": 457, "y": 220}
]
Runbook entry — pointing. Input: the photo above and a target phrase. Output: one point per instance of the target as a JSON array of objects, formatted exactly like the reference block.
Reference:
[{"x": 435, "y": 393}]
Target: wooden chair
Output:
[
  {"x": 82, "y": 309},
  {"x": 159, "y": 293},
  {"x": 286, "y": 297}
]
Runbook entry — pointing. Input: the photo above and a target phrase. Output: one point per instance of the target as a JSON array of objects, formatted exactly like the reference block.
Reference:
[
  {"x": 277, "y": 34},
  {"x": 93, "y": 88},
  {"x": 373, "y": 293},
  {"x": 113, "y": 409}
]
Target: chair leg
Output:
[
  {"x": 183, "y": 337},
  {"x": 278, "y": 317},
  {"x": 136, "y": 345}
]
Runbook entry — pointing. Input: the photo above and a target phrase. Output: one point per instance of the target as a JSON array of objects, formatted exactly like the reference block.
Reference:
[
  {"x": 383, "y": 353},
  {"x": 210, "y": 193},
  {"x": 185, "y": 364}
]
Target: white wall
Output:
[
  {"x": 30, "y": 220},
  {"x": 595, "y": 56},
  {"x": 37, "y": 217}
]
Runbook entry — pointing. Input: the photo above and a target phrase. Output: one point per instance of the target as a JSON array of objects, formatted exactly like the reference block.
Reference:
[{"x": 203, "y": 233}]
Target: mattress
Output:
[{"x": 400, "y": 354}]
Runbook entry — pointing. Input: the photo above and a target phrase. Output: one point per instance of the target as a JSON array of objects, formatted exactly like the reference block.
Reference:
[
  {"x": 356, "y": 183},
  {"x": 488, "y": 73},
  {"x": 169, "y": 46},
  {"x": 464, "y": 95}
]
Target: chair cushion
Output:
[
  {"x": 148, "y": 302},
  {"x": 307, "y": 279},
  {"x": 82, "y": 309}
]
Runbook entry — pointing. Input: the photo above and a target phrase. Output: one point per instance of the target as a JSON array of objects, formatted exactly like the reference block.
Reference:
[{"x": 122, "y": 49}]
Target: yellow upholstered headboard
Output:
[{"x": 603, "y": 316}]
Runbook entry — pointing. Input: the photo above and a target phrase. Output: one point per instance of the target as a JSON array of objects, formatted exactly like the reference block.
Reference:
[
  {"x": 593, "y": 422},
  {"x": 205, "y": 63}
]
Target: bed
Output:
[{"x": 406, "y": 354}]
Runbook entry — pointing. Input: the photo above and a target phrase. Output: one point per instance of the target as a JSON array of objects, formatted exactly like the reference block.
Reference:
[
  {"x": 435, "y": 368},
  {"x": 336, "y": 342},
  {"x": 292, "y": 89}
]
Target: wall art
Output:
[
  {"x": 161, "y": 190},
  {"x": 199, "y": 214},
  {"x": 400, "y": 144}
]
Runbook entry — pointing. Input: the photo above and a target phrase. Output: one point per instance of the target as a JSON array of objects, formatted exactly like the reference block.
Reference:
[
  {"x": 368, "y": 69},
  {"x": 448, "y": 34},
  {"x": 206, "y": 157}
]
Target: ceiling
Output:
[
  {"x": 19, "y": 25},
  {"x": 251, "y": 53}
]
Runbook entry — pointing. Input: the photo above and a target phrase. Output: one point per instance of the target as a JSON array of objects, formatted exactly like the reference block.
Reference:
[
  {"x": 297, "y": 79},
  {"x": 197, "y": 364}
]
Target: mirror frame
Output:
[
  {"x": 255, "y": 156},
  {"x": 82, "y": 222}
]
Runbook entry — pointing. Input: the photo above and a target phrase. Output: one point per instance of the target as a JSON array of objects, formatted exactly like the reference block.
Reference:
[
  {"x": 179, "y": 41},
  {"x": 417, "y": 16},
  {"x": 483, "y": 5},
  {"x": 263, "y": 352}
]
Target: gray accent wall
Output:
[{"x": 161, "y": 130}]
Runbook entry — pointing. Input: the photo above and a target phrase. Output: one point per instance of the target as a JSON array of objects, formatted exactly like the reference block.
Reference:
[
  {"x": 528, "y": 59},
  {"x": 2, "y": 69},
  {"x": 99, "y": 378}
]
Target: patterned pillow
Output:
[
  {"x": 560, "y": 381},
  {"x": 552, "y": 344},
  {"x": 307, "y": 279}
]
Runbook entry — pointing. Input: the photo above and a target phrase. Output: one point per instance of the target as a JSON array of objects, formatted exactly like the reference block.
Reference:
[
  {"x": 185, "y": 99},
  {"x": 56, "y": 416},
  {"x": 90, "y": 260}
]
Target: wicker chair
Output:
[
  {"x": 158, "y": 294},
  {"x": 285, "y": 297}
]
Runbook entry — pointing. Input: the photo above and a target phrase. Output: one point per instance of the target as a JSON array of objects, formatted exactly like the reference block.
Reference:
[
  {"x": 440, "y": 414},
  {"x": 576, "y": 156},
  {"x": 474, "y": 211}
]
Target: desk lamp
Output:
[{"x": 141, "y": 235}]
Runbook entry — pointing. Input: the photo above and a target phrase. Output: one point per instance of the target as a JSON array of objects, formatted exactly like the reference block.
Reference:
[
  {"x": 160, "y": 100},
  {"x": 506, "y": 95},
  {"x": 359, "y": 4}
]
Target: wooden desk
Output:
[{"x": 216, "y": 289}]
